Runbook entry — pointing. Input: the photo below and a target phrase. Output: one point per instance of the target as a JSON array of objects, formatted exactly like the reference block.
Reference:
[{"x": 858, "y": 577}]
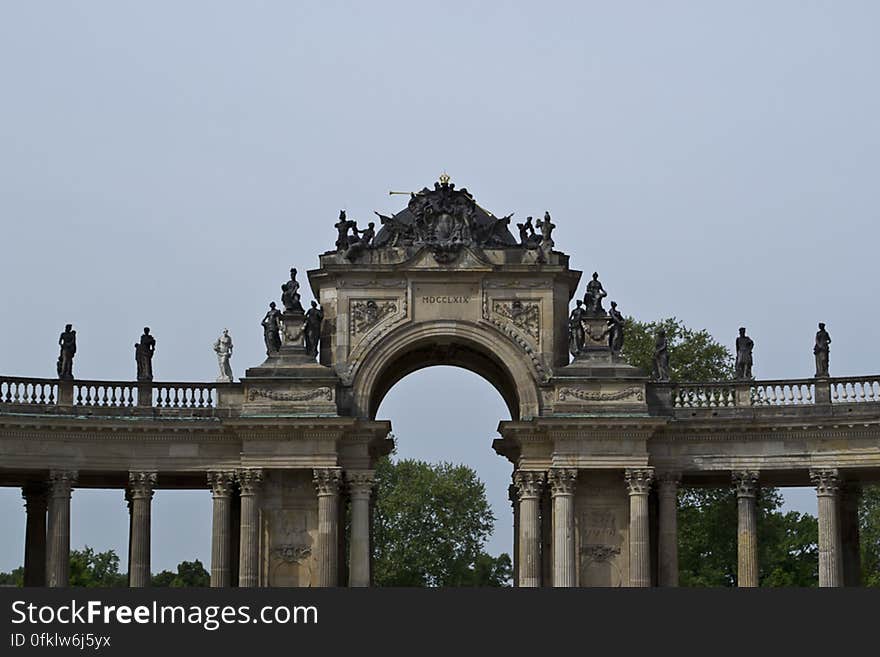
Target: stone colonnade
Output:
[
  {"x": 838, "y": 527},
  {"x": 47, "y": 540}
]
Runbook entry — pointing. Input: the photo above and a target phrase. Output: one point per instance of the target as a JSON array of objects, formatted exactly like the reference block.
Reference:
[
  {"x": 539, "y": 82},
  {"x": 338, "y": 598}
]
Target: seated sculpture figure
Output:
[
  {"x": 290, "y": 294},
  {"x": 593, "y": 297}
]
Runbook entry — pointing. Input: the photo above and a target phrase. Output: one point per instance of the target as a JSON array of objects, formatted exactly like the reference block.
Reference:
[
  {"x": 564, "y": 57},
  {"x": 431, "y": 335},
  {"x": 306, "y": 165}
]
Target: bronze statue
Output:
[
  {"x": 593, "y": 298},
  {"x": 143, "y": 355},
  {"x": 744, "y": 346},
  {"x": 546, "y": 226},
  {"x": 67, "y": 342},
  {"x": 821, "y": 351},
  {"x": 615, "y": 329},
  {"x": 314, "y": 317},
  {"x": 290, "y": 294},
  {"x": 362, "y": 240},
  {"x": 576, "y": 335},
  {"x": 661, "y": 357},
  {"x": 272, "y": 330},
  {"x": 527, "y": 236},
  {"x": 342, "y": 227}
]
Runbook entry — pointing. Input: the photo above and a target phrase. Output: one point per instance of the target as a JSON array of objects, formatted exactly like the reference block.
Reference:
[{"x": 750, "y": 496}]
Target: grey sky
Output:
[{"x": 164, "y": 164}]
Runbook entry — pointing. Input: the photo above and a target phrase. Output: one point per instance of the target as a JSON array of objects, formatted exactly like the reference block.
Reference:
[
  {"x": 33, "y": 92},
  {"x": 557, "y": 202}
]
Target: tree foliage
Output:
[
  {"x": 431, "y": 524},
  {"x": 869, "y": 535},
  {"x": 95, "y": 569},
  {"x": 189, "y": 573},
  {"x": 693, "y": 355}
]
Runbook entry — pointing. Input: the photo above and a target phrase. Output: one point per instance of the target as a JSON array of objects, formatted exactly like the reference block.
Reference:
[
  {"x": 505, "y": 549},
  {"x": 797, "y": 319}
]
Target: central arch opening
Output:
[{"x": 450, "y": 413}]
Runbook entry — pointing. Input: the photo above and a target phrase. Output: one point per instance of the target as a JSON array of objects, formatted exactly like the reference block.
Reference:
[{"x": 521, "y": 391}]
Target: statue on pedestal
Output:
[
  {"x": 546, "y": 227},
  {"x": 290, "y": 294},
  {"x": 272, "y": 330},
  {"x": 744, "y": 346},
  {"x": 67, "y": 342},
  {"x": 615, "y": 330},
  {"x": 143, "y": 355},
  {"x": 661, "y": 357},
  {"x": 593, "y": 298},
  {"x": 342, "y": 227},
  {"x": 223, "y": 349},
  {"x": 821, "y": 351},
  {"x": 576, "y": 335},
  {"x": 314, "y": 317}
]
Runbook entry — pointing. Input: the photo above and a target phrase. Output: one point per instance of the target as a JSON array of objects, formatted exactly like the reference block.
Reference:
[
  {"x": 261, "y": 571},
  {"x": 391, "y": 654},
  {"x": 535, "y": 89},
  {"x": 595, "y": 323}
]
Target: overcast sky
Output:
[{"x": 166, "y": 163}]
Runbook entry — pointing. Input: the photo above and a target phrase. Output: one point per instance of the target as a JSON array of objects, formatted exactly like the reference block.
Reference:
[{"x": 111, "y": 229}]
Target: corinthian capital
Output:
[
  {"x": 529, "y": 483},
  {"x": 360, "y": 482},
  {"x": 61, "y": 481},
  {"x": 249, "y": 480},
  {"x": 140, "y": 484},
  {"x": 745, "y": 482},
  {"x": 327, "y": 480},
  {"x": 638, "y": 480},
  {"x": 826, "y": 481},
  {"x": 220, "y": 482},
  {"x": 562, "y": 480}
]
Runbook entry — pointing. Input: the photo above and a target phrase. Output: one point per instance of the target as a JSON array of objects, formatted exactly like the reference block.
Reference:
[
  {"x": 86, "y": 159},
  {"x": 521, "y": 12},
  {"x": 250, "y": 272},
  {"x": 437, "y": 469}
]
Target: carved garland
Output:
[
  {"x": 323, "y": 393},
  {"x": 565, "y": 394}
]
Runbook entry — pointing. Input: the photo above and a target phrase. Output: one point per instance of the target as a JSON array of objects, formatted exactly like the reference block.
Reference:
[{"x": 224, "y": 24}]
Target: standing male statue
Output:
[
  {"x": 67, "y": 342},
  {"x": 314, "y": 317},
  {"x": 143, "y": 355},
  {"x": 593, "y": 297},
  {"x": 290, "y": 294},
  {"x": 272, "y": 329},
  {"x": 546, "y": 227},
  {"x": 821, "y": 350},
  {"x": 342, "y": 227},
  {"x": 576, "y": 336},
  {"x": 744, "y": 346},
  {"x": 661, "y": 357},
  {"x": 223, "y": 349},
  {"x": 615, "y": 329}
]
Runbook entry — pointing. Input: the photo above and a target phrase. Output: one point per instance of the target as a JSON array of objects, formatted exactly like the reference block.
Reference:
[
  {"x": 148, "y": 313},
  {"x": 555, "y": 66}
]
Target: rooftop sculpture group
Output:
[{"x": 295, "y": 327}]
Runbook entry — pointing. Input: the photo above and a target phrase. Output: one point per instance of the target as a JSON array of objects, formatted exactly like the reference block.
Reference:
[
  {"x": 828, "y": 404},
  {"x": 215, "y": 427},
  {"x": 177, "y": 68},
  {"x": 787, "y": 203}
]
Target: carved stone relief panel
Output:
[
  {"x": 288, "y": 521},
  {"x": 369, "y": 318},
  {"x": 602, "y": 530}
]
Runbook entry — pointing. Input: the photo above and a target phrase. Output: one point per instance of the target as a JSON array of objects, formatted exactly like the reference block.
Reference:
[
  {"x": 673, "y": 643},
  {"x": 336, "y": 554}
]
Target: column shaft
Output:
[
  {"x": 249, "y": 540},
  {"x": 360, "y": 485},
  {"x": 327, "y": 482},
  {"x": 221, "y": 545},
  {"x": 529, "y": 484},
  {"x": 639, "y": 483},
  {"x": 668, "y": 534},
  {"x": 140, "y": 486},
  {"x": 827, "y": 483},
  {"x": 850, "y": 541},
  {"x": 746, "y": 484},
  {"x": 58, "y": 528},
  {"x": 36, "y": 499},
  {"x": 562, "y": 482}
]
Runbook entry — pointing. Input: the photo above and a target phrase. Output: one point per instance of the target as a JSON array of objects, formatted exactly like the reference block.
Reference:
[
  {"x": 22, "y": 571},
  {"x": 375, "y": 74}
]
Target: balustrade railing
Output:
[
  {"x": 704, "y": 395},
  {"x": 855, "y": 390},
  {"x": 27, "y": 391},
  {"x": 184, "y": 395},
  {"x": 781, "y": 393},
  {"x": 105, "y": 394}
]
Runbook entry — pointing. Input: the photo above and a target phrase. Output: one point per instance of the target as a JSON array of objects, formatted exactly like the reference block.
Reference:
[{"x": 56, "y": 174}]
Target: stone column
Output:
[
  {"x": 249, "y": 481},
  {"x": 529, "y": 486},
  {"x": 562, "y": 484},
  {"x": 360, "y": 486},
  {"x": 667, "y": 495},
  {"x": 827, "y": 482},
  {"x": 850, "y": 542},
  {"x": 130, "y": 527},
  {"x": 511, "y": 495},
  {"x": 58, "y": 528},
  {"x": 327, "y": 482},
  {"x": 745, "y": 482},
  {"x": 638, "y": 481},
  {"x": 35, "y": 496},
  {"x": 221, "y": 483},
  {"x": 140, "y": 487}
]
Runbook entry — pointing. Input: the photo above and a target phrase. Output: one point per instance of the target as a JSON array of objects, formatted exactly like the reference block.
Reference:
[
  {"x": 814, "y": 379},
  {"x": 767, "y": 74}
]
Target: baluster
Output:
[
  {"x": 871, "y": 394},
  {"x": 861, "y": 385},
  {"x": 834, "y": 393},
  {"x": 176, "y": 402},
  {"x": 851, "y": 392},
  {"x": 51, "y": 399},
  {"x": 201, "y": 397},
  {"x": 771, "y": 394}
]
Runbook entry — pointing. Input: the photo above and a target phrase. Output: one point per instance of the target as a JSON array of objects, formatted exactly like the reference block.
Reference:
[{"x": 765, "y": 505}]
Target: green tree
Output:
[
  {"x": 93, "y": 569},
  {"x": 189, "y": 573},
  {"x": 15, "y": 578},
  {"x": 787, "y": 542},
  {"x": 869, "y": 535},
  {"x": 431, "y": 524}
]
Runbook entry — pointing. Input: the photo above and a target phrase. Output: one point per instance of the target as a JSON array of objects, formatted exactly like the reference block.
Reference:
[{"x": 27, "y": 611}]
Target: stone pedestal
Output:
[
  {"x": 360, "y": 486},
  {"x": 327, "y": 482},
  {"x": 249, "y": 481},
  {"x": 827, "y": 484},
  {"x": 58, "y": 528},
  {"x": 221, "y": 484},
  {"x": 35, "y": 501},
  {"x": 562, "y": 484},
  {"x": 638, "y": 481},
  {"x": 746, "y": 483},
  {"x": 529, "y": 486},
  {"x": 667, "y": 550}
]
